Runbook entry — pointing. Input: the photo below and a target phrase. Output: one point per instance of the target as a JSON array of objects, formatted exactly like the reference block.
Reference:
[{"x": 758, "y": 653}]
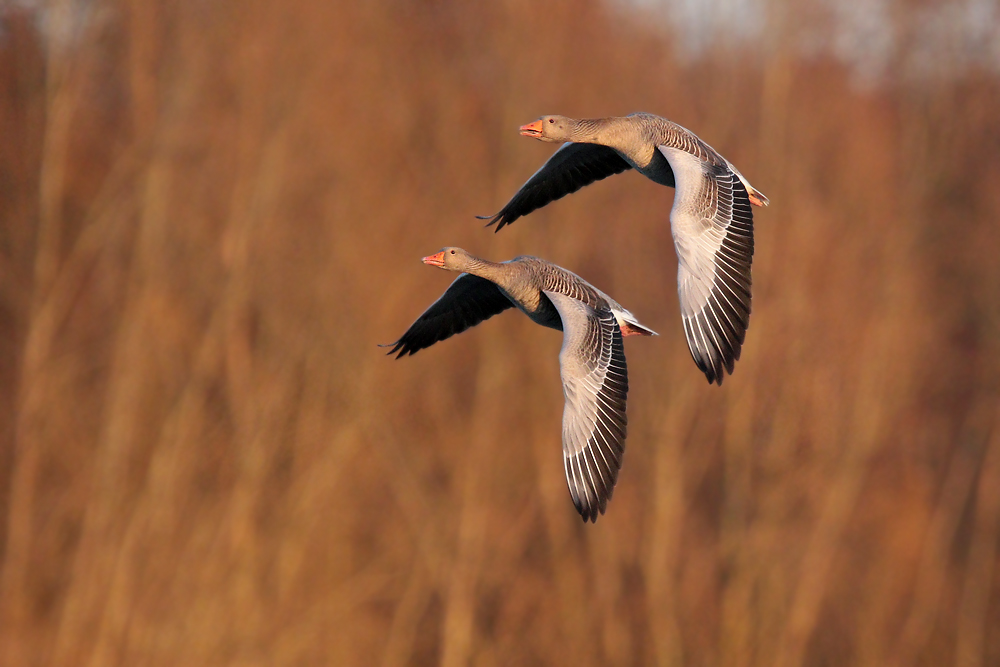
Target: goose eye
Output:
[
  {"x": 552, "y": 120},
  {"x": 452, "y": 252}
]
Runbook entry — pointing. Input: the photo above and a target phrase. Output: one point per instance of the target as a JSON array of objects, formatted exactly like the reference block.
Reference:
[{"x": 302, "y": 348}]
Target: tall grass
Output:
[{"x": 211, "y": 214}]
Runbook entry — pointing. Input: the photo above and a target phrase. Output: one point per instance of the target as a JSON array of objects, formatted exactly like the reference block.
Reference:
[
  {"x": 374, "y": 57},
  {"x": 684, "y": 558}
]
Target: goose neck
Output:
[
  {"x": 483, "y": 268},
  {"x": 596, "y": 131}
]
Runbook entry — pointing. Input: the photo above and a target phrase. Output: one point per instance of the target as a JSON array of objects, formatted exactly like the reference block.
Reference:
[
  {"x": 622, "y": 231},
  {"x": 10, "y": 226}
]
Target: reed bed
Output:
[{"x": 211, "y": 214}]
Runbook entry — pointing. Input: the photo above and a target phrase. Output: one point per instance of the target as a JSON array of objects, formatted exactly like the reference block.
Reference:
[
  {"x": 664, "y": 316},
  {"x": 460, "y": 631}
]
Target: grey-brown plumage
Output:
[
  {"x": 711, "y": 219},
  {"x": 592, "y": 358}
]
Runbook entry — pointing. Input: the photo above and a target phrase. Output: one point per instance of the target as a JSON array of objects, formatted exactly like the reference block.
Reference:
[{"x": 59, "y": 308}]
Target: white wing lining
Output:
[
  {"x": 712, "y": 226},
  {"x": 595, "y": 386}
]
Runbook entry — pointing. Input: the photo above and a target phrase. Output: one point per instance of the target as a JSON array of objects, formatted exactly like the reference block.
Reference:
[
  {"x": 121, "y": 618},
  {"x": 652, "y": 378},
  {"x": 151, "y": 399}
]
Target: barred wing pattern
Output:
[
  {"x": 570, "y": 168},
  {"x": 467, "y": 302},
  {"x": 595, "y": 385},
  {"x": 712, "y": 226}
]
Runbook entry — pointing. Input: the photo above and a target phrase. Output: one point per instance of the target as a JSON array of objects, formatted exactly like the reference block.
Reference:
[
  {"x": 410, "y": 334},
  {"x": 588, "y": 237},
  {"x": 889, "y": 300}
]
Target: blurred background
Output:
[{"x": 211, "y": 212}]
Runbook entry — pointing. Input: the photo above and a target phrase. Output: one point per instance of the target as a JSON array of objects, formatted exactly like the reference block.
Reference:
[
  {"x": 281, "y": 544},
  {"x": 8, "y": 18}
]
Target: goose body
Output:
[
  {"x": 592, "y": 359},
  {"x": 711, "y": 219}
]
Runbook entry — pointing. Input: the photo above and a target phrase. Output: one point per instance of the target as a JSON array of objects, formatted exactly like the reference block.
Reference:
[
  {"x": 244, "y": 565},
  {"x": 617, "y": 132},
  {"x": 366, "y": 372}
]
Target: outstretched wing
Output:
[
  {"x": 570, "y": 168},
  {"x": 595, "y": 384},
  {"x": 712, "y": 225},
  {"x": 467, "y": 302}
]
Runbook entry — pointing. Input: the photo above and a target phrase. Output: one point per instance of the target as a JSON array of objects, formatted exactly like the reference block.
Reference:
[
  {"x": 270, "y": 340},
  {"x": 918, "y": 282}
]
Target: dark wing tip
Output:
[
  {"x": 712, "y": 367},
  {"x": 710, "y": 362},
  {"x": 502, "y": 218},
  {"x": 589, "y": 499},
  {"x": 400, "y": 348},
  {"x": 588, "y": 510}
]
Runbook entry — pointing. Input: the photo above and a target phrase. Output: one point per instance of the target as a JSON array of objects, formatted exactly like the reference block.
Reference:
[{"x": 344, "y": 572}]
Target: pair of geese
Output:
[{"x": 712, "y": 226}]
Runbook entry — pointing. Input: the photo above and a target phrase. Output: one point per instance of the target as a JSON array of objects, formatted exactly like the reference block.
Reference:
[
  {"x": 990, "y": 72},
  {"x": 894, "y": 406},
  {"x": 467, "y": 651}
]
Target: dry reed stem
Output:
[
  {"x": 935, "y": 556},
  {"x": 973, "y": 632},
  {"x": 459, "y": 628},
  {"x": 860, "y": 445},
  {"x": 62, "y": 91},
  {"x": 665, "y": 530}
]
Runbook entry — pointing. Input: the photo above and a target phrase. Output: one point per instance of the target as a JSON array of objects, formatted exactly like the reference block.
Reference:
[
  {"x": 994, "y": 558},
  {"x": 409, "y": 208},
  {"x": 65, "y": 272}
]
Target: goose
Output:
[
  {"x": 711, "y": 219},
  {"x": 591, "y": 361}
]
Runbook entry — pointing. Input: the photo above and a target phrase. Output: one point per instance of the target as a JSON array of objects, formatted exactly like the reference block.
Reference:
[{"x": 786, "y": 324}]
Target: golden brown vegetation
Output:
[{"x": 212, "y": 212}]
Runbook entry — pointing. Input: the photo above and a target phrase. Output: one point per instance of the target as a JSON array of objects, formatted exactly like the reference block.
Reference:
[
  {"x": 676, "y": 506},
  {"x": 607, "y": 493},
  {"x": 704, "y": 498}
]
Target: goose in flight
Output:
[
  {"x": 711, "y": 219},
  {"x": 591, "y": 362}
]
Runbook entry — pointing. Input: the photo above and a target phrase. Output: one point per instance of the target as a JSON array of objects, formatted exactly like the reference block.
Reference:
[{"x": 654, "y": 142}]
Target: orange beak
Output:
[
  {"x": 532, "y": 129},
  {"x": 434, "y": 260}
]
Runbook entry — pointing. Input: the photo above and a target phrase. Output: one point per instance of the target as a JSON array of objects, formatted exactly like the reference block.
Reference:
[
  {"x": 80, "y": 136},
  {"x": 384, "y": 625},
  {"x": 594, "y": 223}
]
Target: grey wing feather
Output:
[
  {"x": 595, "y": 385},
  {"x": 712, "y": 225},
  {"x": 570, "y": 168},
  {"x": 468, "y": 301}
]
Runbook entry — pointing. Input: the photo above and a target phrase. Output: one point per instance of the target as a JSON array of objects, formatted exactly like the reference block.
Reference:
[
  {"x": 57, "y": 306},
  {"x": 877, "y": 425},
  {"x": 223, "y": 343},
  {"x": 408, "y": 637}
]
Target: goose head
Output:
[
  {"x": 550, "y": 128},
  {"x": 450, "y": 259}
]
